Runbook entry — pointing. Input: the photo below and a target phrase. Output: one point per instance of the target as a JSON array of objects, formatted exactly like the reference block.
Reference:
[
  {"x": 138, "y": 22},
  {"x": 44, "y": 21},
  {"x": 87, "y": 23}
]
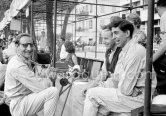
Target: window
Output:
[
  {"x": 91, "y": 8},
  {"x": 86, "y": 8},
  {"x": 113, "y": 9},
  {"x": 102, "y": 9},
  {"x": 90, "y": 24}
]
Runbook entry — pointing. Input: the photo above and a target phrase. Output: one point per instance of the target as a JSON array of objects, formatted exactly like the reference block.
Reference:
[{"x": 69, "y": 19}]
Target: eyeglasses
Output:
[{"x": 27, "y": 44}]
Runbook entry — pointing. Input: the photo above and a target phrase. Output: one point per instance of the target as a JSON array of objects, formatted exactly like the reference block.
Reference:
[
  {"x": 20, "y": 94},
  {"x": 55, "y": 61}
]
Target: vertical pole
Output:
[
  {"x": 21, "y": 21},
  {"x": 75, "y": 22},
  {"x": 34, "y": 57},
  {"x": 54, "y": 40},
  {"x": 131, "y": 6},
  {"x": 96, "y": 32},
  {"x": 31, "y": 31},
  {"x": 149, "y": 57}
]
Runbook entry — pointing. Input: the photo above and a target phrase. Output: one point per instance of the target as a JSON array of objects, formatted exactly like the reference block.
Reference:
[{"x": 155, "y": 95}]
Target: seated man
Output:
[
  {"x": 112, "y": 52},
  {"x": 124, "y": 90},
  {"x": 28, "y": 92}
]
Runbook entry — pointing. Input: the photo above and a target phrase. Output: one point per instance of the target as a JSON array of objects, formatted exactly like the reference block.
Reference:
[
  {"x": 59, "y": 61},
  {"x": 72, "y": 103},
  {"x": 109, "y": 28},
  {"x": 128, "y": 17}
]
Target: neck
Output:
[
  {"x": 25, "y": 60},
  {"x": 135, "y": 30},
  {"x": 127, "y": 41}
]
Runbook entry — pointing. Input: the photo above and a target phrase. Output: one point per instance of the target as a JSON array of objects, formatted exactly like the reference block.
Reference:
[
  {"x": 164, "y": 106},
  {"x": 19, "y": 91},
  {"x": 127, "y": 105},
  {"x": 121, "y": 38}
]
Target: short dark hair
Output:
[
  {"x": 18, "y": 37},
  {"x": 124, "y": 25},
  {"x": 70, "y": 48},
  {"x": 161, "y": 3}
]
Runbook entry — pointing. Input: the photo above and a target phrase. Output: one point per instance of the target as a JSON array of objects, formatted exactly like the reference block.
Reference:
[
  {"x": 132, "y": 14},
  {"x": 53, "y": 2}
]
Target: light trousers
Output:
[
  {"x": 31, "y": 104},
  {"x": 105, "y": 100}
]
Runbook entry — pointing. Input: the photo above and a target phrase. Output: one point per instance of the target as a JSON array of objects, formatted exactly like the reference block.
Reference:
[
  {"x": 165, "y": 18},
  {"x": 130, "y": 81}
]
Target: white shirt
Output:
[
  {"x": 20, "y": 80},
  {"x": 63, "y": 53},
  {"x": 10, "y": 51}
]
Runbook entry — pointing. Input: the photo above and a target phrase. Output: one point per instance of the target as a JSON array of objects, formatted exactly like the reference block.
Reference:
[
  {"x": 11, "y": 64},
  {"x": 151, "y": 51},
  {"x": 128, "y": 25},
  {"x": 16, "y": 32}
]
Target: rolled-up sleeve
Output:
[{"x": 27, "y": 77}]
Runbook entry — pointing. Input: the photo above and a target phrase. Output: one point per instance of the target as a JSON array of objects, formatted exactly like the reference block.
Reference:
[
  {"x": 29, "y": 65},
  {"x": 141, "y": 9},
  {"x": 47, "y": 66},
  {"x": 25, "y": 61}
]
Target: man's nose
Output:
[
  {"x": 29, "y": 47},
  {"x": 113, "y": 36}
]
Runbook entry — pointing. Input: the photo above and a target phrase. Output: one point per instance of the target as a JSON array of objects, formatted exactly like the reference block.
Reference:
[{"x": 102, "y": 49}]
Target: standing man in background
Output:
[
  {"x": 161, "y": 8},
  {"x": 43, "y": 42}
]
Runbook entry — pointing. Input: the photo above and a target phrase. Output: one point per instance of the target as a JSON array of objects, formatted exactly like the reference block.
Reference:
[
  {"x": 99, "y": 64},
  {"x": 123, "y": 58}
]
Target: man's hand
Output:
[
  {"x": 51, "y": 73},
  {"x": 95, "y": 83}
]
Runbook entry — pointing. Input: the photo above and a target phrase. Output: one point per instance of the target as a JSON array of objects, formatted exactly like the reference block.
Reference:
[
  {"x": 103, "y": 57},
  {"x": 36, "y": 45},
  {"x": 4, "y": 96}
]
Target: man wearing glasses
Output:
[{"x": 29, "y": 93}]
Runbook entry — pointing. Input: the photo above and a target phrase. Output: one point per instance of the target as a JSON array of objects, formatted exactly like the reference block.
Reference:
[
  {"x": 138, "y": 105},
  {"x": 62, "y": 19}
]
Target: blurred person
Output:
[
  {"x": 29, "y": 93},
  {"x": 63, "y": 53},
  {"x": 124, "y": 90},
  {"x": 10, "y": 51},
  {"x": 138, "y": 35},
  {"x": 43, "y": 42},
  {"x": 71, "y": 57},
  {"x": 161, "y": 8}
]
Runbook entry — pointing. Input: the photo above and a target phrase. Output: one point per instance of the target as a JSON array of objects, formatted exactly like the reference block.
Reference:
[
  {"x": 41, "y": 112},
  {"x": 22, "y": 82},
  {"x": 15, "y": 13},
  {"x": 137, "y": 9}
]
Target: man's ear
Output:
[{"x": 127, "y": 33}]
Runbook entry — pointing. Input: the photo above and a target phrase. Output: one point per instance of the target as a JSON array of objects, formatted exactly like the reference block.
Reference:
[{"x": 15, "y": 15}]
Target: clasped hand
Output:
[{"x": 51, "y": 73}]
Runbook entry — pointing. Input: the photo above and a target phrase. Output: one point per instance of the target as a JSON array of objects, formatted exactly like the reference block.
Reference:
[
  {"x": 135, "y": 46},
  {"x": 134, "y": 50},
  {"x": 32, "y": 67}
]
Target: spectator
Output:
[
  {"x": 9, "y": 52},
  {"x": 63, "y": 53},
  {"x": 138, "y": 35},
  {"x": 112, "y": 52},
  {"x": 71, "y": 58},
  {"x": 28, "y": 92},
  {"x": 43, "y": 42},
  {"x": 124, "y": 90},
  {"x": 161, "y": 8}
]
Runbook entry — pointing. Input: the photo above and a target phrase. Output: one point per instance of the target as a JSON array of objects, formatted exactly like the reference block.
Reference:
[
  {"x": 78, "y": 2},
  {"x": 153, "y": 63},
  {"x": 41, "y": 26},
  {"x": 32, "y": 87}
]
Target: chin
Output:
[{"x": 28, "y": 56}]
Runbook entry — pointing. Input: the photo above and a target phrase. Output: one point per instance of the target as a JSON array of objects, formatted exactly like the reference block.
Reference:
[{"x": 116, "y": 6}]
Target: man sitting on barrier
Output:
[
  {"x": 112, "y": 52},
  {"x": 28, "y": 92},
  {"x": 124, "y": 90}
]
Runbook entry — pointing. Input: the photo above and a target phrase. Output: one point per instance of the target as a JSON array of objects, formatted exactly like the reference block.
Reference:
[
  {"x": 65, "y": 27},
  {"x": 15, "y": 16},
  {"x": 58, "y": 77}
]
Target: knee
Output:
[
  {"x": 91, "y": 92},
  {"x": 53, "y": 91}
]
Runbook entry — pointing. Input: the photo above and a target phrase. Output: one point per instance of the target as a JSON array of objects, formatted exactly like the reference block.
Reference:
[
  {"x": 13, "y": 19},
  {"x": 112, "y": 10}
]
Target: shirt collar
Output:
[{"x": 128, "y": 44}]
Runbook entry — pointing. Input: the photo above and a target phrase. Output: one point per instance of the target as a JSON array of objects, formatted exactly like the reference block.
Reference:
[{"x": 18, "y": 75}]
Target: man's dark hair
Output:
[
  {"x": 161, "y": 3},
  {"x": 70, "y": 48},
  {"x": 124, "y": 25},
  {"x": 63, "y": 39},
  {"x": 17, "y": 40}
]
